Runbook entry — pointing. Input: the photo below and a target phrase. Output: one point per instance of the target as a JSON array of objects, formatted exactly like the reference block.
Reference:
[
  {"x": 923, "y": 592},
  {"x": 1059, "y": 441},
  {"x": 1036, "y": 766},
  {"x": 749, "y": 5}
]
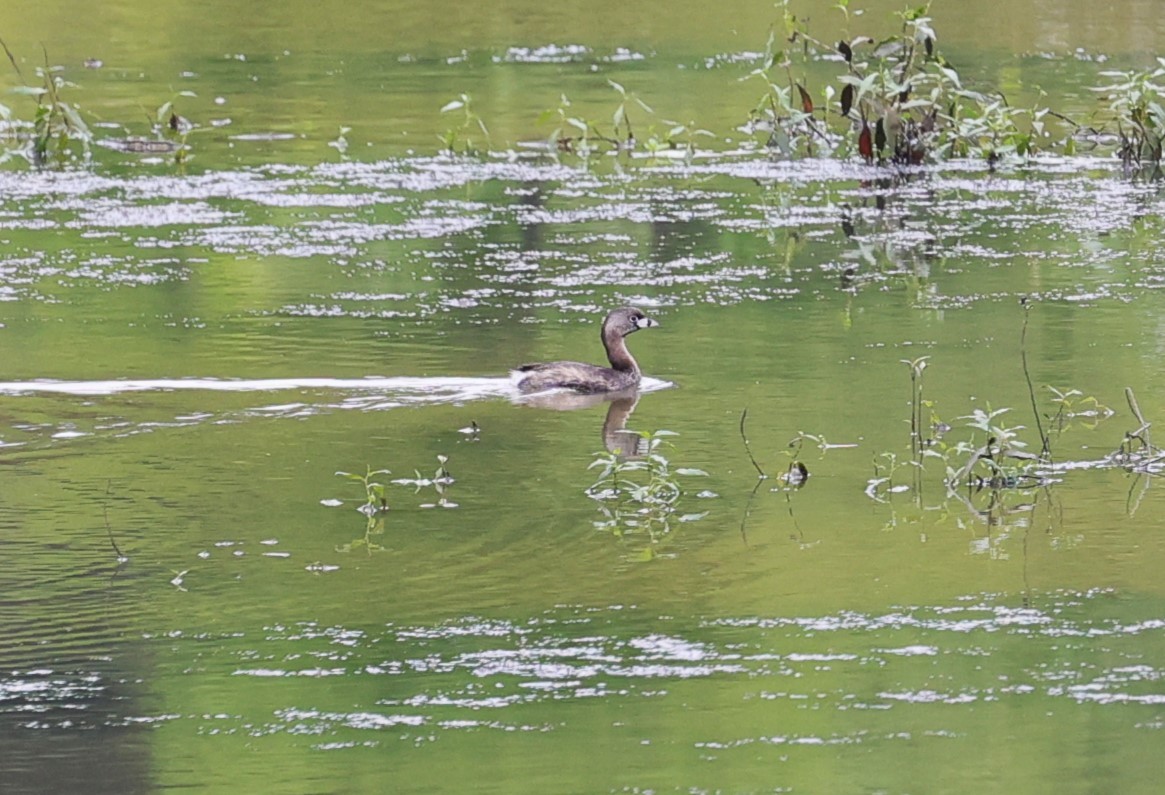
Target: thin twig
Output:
[
  {"x": 12, "y": 59},
  {"x": 1062, "y": 117},
  {"x": 1136, "y": 409},
  {"x": 1045, "y": 449},
  {"x": 748, "y": 448}
]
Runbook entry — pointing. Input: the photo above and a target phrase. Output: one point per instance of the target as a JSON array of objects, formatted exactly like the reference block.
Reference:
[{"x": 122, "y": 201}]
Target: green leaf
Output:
[
  {"x": 75, "y": 121},
  {"x": 951, "y": 75}
]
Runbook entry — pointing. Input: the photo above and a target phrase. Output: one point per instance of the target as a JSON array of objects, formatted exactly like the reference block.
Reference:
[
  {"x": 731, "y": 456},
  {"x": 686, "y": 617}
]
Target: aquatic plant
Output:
[
  {"x": 898, "y": 100},
  {"x": 760, "y": 473},
  {"x": 787, "y": 122},
  {"x": 578, "y": 135},
  {"x": 1072, "y": 404},
  {"x": 1136, "y": 106},
  {"x": 1136, "y": 450},
  {"x": 994, "y": 462},
  {"x": 170, "y": 127},
  {"x": 374, "y": 526},
  {"x": 571, "y": 132},
  {"x": 999, "y": 461},
  {"x": 439, "y": 482},
  {"x": 674, "y": 136},
  {"x": 59, "y": 134},
  {"x": 794, "y": 477},
  {"x": 465, "y": 132},
  {"x": 340, "y": 142},
  {"x": 901, "y": 100},
  {"x": 374, "y": 507},
  {"x": 621, "y": 118},
  {"x": 895, "y": 101},
  {"x": 641, "y": 496},
  {"x": 375, "y": 501}
]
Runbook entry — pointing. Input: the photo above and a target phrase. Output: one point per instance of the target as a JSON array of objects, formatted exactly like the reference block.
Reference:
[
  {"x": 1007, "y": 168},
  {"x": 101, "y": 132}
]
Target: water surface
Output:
[{"x": 190, "y": 598}]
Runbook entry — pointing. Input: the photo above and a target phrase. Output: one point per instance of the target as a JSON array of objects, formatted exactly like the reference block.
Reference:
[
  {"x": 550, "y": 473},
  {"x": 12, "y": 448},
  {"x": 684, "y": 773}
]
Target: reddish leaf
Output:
[
  {"x": 880, "y": 135},
  {"x": 866, "y": 142},
  {"x": 928, "y": 121},
  {"x": 806, "y": 100},
  {"x": 845, "y": 51},
  {"x": 847, "y": 99},
  {"x": 929, "y": 44}
]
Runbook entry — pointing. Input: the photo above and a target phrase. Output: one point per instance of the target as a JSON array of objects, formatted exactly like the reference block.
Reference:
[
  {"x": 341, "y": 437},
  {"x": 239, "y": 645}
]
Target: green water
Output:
[{"x": 191, "y": 355}]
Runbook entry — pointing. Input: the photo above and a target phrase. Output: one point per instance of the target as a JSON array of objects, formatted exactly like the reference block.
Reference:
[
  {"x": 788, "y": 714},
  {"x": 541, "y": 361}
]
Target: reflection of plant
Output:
[
  {"x": 641, "y": 496},
  {"x": 1072, "y": 404},
  {"x": 373, "y": 527}
]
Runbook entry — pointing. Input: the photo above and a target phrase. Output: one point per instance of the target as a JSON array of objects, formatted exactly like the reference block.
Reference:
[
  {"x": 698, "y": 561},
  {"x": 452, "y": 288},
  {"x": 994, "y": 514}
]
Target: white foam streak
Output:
[{"x": 481, "y": 387}]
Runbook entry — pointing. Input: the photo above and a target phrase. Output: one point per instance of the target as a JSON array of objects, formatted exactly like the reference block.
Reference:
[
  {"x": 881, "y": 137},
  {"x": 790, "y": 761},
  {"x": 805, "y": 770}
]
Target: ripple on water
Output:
[
  {"x": 493, "y": 673},
  {"x": 937, "y": 217}
]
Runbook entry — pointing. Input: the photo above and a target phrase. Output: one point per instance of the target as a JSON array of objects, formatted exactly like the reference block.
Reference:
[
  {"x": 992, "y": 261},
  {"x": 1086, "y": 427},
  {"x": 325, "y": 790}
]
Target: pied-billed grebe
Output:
[{"x": 622, "y": 374}]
